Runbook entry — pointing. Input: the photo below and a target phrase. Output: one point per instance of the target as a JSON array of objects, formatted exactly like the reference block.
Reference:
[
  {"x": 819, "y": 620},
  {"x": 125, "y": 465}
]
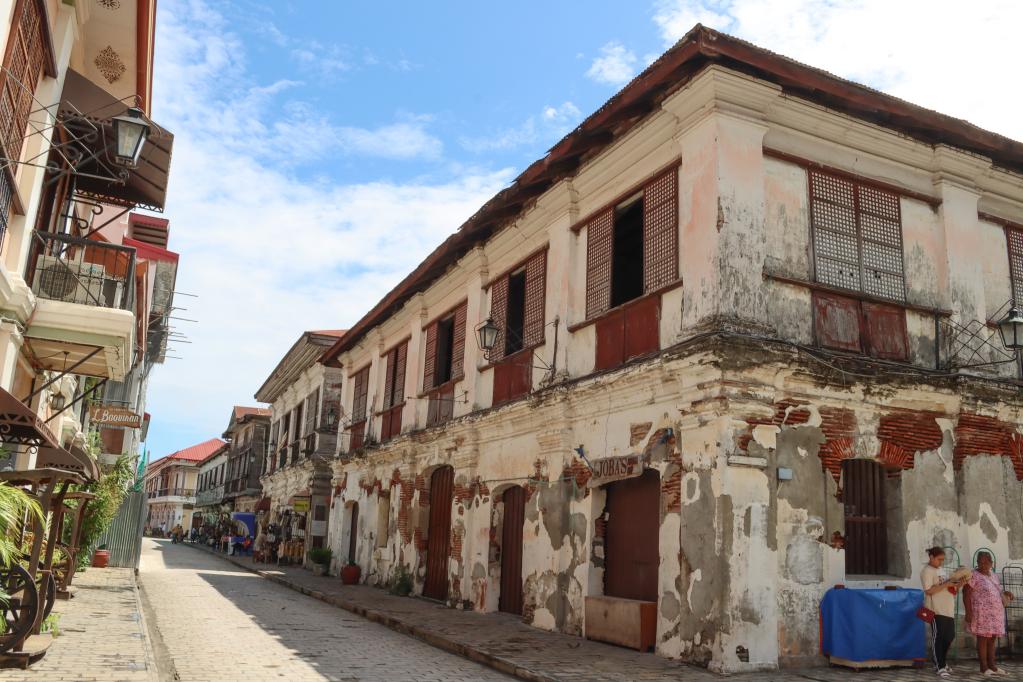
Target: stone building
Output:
[
  {"x": 170, "y": 485},
  {"x": 304, "y": 398},
  {"x": 744, "y": 352},
  {"x": 247, "y": 435},
  {"x": 210, "y": 485}
]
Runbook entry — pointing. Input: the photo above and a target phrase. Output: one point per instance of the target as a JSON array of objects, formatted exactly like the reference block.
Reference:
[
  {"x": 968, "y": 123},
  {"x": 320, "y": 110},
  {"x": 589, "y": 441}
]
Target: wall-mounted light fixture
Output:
[
  {"x": 1010, "y": 328},
  {"x": 130, "y": 134}
]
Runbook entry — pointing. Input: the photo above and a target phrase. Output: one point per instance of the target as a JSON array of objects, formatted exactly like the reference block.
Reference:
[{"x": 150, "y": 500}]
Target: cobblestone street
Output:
[{"x": 211, "y": 621}]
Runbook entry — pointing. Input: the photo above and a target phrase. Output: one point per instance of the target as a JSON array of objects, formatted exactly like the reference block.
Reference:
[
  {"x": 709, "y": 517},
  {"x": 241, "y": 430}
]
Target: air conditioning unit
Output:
[{"x": 70, "y": 281}]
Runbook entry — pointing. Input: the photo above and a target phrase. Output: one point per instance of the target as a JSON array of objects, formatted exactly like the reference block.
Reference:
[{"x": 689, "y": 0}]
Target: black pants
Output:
[{"x": 943, "y": 632}]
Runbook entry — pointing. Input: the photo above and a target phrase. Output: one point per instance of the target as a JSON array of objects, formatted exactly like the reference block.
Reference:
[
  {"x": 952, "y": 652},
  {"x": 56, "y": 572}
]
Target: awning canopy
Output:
[
  {"x": 146, "y": 185},
  {"x": 73, "y": 459},
  {"x": 19, "y": 425}
]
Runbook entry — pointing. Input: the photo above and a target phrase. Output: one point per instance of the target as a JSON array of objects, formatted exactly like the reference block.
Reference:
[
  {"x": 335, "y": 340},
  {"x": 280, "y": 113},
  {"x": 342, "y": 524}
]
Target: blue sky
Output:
[{"x": 322, "y": 149}]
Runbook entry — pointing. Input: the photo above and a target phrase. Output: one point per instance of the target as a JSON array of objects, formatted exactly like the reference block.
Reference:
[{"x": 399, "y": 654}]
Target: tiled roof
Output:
[
  {"x": 330, "y": 332},
  {"x": 240, "y": 412},
  {"x": 198, "y": 452},
  {"x": 698, "y": 49}
]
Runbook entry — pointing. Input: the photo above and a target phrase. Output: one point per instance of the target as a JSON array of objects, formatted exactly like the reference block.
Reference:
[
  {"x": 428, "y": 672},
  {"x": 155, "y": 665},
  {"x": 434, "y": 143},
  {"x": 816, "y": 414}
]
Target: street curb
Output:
[
  {"x": 148, "y": 644},
  {"x": 424, "y": 635}
]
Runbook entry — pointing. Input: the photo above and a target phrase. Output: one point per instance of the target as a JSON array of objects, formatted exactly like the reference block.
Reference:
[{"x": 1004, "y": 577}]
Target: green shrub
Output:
[
  {"x": 320, "y": 555},
  {"x": 401, "y": 581}
]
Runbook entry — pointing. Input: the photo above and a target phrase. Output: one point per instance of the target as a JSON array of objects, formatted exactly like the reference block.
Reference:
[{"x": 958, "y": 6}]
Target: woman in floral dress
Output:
[{"x": 985, "y": 613}]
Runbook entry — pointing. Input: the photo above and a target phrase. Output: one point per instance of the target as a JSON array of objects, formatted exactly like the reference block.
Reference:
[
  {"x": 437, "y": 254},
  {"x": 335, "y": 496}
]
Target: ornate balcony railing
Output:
[{"x": 172, "y": 492}]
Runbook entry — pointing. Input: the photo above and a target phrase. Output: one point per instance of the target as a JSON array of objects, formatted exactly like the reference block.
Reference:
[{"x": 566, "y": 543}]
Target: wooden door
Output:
[
  {"x": 353, "y": 535},
  {"x": 510, "y": 600},
  {"x": 632, "y": 548},
  {"x": 866, "y": 526},
  {"x": 439, "y": 534}
]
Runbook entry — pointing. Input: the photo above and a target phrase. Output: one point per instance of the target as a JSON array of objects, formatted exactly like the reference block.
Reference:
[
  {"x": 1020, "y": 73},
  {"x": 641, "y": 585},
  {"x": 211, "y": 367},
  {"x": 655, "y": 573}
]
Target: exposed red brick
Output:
[
  {"x": 977, "y": 434},
  {"x": 578, "y": 471},
  {"x": 671, "y": 491},
  {"x": 637, "y": 432},
  {"x": 833, "y": 452},
  {"x": 904, "y": 433}
]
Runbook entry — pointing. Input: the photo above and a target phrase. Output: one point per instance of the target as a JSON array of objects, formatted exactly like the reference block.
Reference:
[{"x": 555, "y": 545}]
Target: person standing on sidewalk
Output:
[
  {"x": 939, "y": 597},
  {"x": 985, "y": 612}
]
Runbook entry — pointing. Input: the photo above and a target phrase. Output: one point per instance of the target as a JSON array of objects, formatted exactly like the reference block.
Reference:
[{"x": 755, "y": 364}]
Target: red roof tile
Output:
[
  {"x": 240, "y": 412},
  {"x": 330, "y": 332},
  {"x": 199, "y": 452}
]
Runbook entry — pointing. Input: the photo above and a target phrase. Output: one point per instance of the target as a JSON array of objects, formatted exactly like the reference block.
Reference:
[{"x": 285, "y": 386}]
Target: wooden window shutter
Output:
[
  {"x": 389, "y": 378},
  {"x": 394, "y": 384},
  {"x": 430, "y": 359},
  {"x": 660, "y": 231},
  {"x": 458, "y": 347},
  {"x": 599, "y": 247},
  {"x": 499, "y": 314},
  {"x": 359, "y": 404},
  {"x": 401, "y": 359},
  {"x": 24, "y": 62},
  {"x": 536, "y": 293},
  {"x": 1015, "y": 241}
]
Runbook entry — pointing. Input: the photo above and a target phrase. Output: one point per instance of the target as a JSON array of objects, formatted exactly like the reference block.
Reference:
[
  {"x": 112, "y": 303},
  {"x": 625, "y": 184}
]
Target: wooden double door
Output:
[
  {"x": 510, "y": 600},
  {"x": 438, "y": 535},
  {"x": 632, "y": 543}
]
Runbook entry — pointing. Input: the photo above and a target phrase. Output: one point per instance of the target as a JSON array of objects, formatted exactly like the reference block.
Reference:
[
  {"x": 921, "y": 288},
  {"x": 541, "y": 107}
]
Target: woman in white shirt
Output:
[{"x": 940, "y": 597}]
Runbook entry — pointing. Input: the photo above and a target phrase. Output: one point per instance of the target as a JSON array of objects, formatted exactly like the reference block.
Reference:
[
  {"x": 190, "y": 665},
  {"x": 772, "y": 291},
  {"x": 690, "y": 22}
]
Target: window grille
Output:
[
  {"x": 1015, "y": 242},
  {"x": 359, "y": 403},
  {"x": 857, "y": 236}
]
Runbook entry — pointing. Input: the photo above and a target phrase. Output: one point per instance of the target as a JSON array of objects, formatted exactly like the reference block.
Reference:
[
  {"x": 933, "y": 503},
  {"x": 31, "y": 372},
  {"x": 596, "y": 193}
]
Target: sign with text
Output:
[
  {"x": 114, "y": 415},
  {"x": 301, "y": 505},
  {"x": 615, "y": 469}
]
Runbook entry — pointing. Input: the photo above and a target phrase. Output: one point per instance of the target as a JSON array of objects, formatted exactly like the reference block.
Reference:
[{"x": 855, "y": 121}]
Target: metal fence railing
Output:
[{"x": 83, "y": 271}]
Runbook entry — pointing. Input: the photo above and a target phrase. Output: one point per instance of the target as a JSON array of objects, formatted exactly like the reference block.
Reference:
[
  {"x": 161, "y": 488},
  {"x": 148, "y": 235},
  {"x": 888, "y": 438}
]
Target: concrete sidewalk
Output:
[
  {"x": 102, "y": 634},
  {"x": 506, "y": 644}
]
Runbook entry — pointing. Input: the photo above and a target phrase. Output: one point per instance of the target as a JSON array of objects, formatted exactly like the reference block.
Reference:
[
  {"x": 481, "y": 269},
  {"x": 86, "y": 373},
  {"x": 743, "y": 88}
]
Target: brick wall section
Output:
[
  {"x": 904, "y": 433},
  {"x": 671, "y": 490},
  {"x": 404, "y": 505},
  {"x": 976, "y": 434},
  {"x": 580, "y": 473}
]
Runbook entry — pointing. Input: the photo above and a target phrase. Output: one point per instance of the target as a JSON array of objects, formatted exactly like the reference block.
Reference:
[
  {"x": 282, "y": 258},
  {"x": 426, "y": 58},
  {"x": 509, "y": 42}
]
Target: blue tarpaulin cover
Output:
[
  {"x": 871, "y": 625},
  {"x": 245, "y": 524}
]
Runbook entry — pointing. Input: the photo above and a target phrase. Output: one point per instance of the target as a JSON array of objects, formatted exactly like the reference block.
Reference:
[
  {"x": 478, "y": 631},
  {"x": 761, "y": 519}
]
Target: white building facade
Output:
[{"x": 744, "y": 353}]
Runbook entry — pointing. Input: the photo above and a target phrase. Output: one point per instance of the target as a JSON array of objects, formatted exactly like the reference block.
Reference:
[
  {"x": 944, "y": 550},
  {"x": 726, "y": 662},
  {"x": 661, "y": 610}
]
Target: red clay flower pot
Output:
[
  {"x": 101, "y": 558},
  {"x": 350, "y": 574}
]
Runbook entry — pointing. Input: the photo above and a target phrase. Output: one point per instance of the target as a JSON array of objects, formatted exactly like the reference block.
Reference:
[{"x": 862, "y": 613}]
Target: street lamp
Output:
[
  {"x": 486, "y": 335},
  {"x": 57, "y": 401},
  {"x": 1010, "y": 328},
  {"x": 130, "y": 133}
]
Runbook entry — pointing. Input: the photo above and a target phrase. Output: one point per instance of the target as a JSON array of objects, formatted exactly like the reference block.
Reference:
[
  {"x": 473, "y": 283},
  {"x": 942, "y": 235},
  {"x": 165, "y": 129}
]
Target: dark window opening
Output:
[
  {"x": 866, "y": 517},
  {"x": 445, "y": 350},
  {"x": 627, "y": 261},
  {"x": 515, "y": 320}
]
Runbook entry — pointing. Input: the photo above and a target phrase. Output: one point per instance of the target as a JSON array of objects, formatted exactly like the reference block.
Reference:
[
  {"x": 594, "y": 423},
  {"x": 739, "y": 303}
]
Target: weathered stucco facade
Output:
[{"x": 745, "y": 408}]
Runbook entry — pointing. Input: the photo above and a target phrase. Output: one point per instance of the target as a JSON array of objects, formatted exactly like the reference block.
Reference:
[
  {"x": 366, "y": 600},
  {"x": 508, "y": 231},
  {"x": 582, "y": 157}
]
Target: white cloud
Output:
[
  {"x": 616, "y": 65},
  {"x": 552, "y": 123},
  {"x": 269, "y": 253},
  {"x": 915, "y": 49}
]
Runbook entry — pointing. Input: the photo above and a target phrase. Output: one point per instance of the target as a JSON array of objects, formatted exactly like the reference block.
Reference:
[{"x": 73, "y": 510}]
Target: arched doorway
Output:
[
  {"x": 353, "y": 533},
  {"x": 632, "y": 542},
  {"x": 439, "y": 534},
  {"x": 866, "y": 523},
  {"x": 514, "y": 500}
]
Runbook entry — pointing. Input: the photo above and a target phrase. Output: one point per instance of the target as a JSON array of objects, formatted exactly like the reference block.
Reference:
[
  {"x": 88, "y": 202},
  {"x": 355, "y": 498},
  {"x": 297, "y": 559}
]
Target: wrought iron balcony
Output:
[
  {"x": 172, "y": 492},
  {"x": 83, "y": 271}
]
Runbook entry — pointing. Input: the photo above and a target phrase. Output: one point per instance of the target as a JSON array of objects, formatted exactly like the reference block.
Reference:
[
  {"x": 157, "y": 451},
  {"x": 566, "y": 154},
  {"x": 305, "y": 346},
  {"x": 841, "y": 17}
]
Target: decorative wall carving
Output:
[{"x": 110, "y": 64}]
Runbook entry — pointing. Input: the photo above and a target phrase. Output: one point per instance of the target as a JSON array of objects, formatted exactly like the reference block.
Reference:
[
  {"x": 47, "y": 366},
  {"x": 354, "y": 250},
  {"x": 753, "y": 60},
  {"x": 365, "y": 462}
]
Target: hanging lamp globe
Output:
[
  {"x": 1010, "y": 328},
  {"x": 57, "y": 401},
  {"x": 130, "y": 133},
  {"x": 486, "y": 335}
]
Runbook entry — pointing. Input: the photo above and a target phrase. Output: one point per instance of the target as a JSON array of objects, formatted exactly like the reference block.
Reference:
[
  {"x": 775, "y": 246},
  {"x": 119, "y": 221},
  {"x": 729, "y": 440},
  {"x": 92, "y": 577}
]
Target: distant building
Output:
[
  {"x": 247, "y": 437},
  {"x": 170, "y": 485},
  {"x": 305, "y": 410}
]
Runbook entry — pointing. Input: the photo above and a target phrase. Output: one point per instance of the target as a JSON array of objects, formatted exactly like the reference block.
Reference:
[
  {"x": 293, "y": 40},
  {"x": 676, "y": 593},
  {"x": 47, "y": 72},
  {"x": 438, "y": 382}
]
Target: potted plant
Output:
[
  {"x": 101, "y": 557},
  {"x": 320, "y": 558},
  {"x": 351, "y": 573},
  {"x": 401, "y": 581}
]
